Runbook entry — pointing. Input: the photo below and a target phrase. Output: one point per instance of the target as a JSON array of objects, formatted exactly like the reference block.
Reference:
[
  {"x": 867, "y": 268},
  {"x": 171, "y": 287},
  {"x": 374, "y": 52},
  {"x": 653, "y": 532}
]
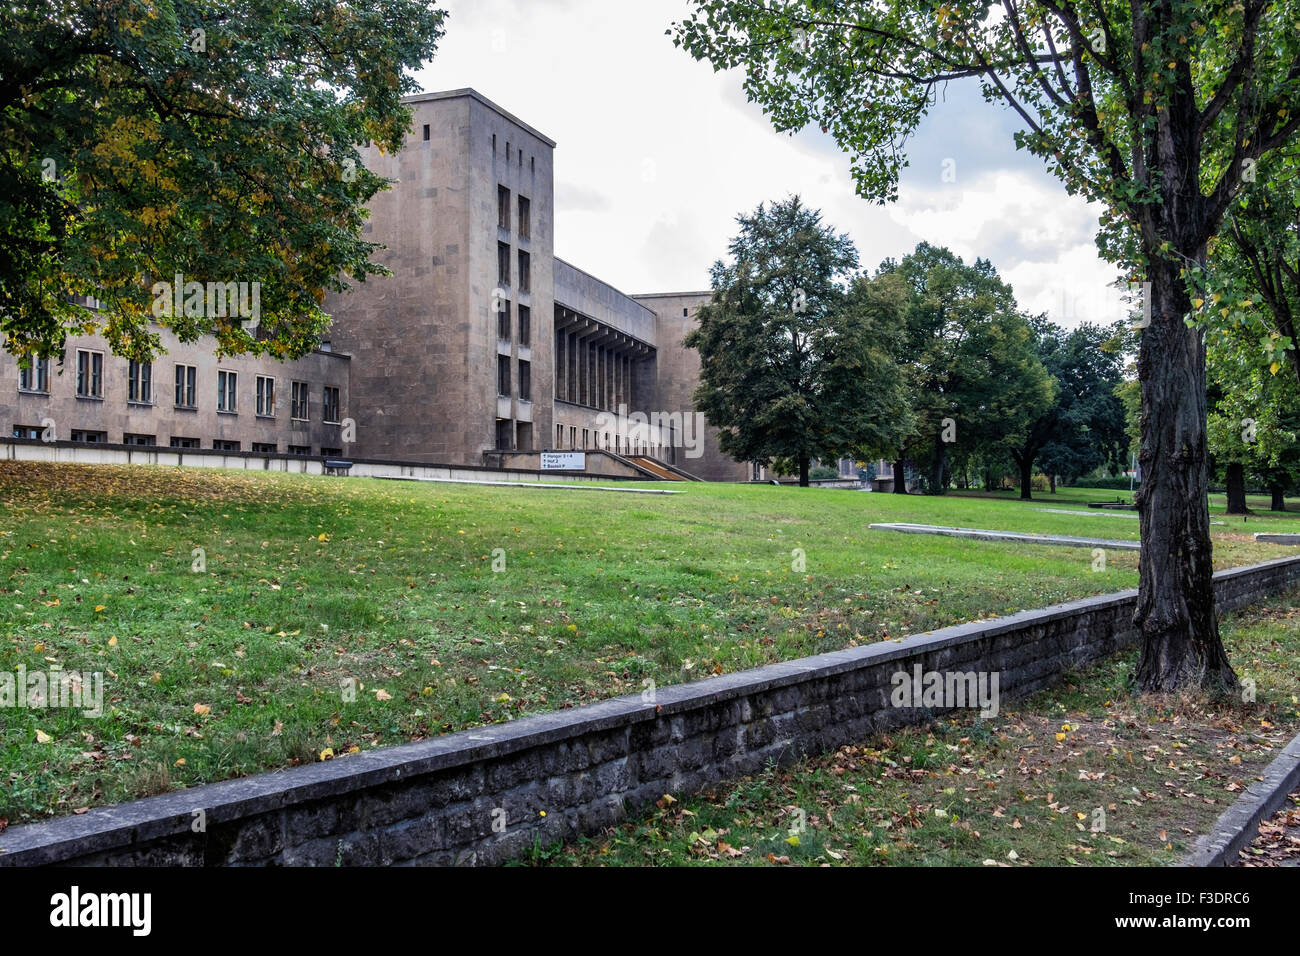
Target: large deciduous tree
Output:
[
  {"x": 795, "y": 354},
  {"x": 1158, "y": 109},
  {"x": 141, "y": 139},
  {"x": 974, "y": 382}
]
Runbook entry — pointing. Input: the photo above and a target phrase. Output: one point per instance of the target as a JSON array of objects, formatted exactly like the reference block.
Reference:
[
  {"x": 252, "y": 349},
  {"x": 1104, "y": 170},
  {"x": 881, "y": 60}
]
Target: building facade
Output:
[{"x": 480, "y": 341}]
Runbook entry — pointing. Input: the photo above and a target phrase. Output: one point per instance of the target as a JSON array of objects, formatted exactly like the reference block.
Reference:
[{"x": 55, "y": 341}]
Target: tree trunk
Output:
[
  {"x": 900, "y": 482},
  {"x": 938, "y": 465},
  {"x": 1026, "y": 476},
  {"x": 1278, "y": 494},
  {"x": 803, "y": 472},
  {"x": 1175, "y": 616},
  {"x": 1052, "y": 479},
  {"x": 1236, "y": 487}
]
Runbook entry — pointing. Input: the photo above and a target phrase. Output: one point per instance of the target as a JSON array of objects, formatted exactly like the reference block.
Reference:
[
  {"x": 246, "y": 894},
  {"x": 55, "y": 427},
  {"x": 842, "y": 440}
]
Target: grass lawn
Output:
[
  {"x": 237, "y": 664},
  {"x": 1080, "y": 775}
]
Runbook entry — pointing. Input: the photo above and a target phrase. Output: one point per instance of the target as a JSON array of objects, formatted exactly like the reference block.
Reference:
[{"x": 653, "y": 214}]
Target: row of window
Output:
[
  {"x": 503, "y": 213},
  {"x": 140, "y": 387},
  {"x": 532, "y": 160},
  {"x": 90, "y": 437},
  {"x": 525, "y": 324},
  {"x": 525, "y": 378},
  {"x": 503, "y": 268}
]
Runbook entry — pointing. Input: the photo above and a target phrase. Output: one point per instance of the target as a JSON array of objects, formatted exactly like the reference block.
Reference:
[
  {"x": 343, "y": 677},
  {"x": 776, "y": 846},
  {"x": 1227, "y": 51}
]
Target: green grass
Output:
[
  {"x": 1083, "y": 774},
  {"x": 309, "y": 582}
]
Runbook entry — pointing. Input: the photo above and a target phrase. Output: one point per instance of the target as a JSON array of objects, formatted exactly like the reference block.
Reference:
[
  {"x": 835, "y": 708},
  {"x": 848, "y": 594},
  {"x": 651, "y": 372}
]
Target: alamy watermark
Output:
[
  {"x": 946, "y": 689},
  {"x": 669, "y": 429},
  {"x": 53, "y": 688},
  {"x": 210, "y": 300}
]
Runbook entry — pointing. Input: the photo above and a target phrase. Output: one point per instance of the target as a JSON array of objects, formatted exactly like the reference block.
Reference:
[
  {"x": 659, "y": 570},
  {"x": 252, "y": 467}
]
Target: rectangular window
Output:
[
  {"x": 426, "y": 132},
  {"x": 503, "y": 375},
  {"x": 300, "y": 402},
  {"x": 300, "y": 449},
  {"x": 139, "y": 382},
  {"x": 91, "y": 438},
  {"x": 226, "y": 382},
  {"x": 90, "y": 374},
  {"x": 503, "y": 264},
  {"x": 36, "y": 378},
  {"x": 573, "y": 436},
  {"x": 132, "y": 439},
  {"x": 186, "y": 376},
  {"x": 221, "y": 445},
  {"x": 330, "y": 403},
  {"x": 526, "y": 381},
  {"x": 503, "y": 207},
  {"x": 27, "y": 431},
  {"x": 331, "y": 452},
  {"x": 505, "y": 433},
  {"x": 584, "y": 438},
  {"x": 525, "y": 278},
  {"x": 263, "y": 448},
  {"x": 503, "y": 322},
  {"x": 525, "y": 217},
  {"x": 525, "y": 320},
  {"x": 178, "y": 442},
  {"x": 265, "y": 396}
]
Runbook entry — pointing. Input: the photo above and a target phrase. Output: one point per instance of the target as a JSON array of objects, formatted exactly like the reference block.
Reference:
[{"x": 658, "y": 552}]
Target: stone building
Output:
[{"x": 480, "y": 342}]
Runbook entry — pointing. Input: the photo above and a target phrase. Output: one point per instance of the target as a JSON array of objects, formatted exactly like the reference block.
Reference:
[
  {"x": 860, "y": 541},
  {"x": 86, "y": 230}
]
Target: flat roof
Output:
[
  {"x": 670, "y": 295},
  {"x": 630, "y": 298},
  {"x": 476, "y": 95}
]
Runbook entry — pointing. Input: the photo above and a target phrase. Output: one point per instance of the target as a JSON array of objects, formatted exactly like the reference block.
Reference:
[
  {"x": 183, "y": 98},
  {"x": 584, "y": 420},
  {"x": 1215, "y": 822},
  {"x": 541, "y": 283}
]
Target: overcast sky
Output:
[{"x": 656, "y": 155}]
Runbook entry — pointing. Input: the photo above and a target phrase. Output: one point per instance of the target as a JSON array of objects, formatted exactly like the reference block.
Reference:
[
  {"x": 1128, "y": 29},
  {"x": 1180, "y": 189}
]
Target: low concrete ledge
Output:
[
  {"x": 1276, "y": 537},
  {"x": 485, "y": 795},
  {"x": 980, "y": 534},
  {"x": 1239, "y": 824}
]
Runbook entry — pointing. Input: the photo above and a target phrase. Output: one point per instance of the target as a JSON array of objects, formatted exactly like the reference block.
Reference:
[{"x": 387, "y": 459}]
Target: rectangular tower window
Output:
[
  {"x": 503, "y": 264},
  {"x": 525, "y": 278},
  {"x": 525, "y": 217},
  {"x": 503, "y": 375},
  {"x": 503, "y": 207},
  {"x": 525, "y": 321},
  {"x": 503, "y": 322},
  {"x": 559, "y": 436},
  {"x": 525, "y": 381},
  {"x": 426, "y": 132}
]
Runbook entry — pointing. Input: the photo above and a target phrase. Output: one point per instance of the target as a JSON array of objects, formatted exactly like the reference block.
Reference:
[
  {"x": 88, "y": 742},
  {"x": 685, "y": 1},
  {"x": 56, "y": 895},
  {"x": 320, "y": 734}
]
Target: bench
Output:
[{"x": 335, "y": 466}]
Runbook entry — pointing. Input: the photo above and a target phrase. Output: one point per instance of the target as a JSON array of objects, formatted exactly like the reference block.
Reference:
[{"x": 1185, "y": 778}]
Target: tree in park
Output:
[
  {"x": 795, "y": 355},
  {"x": 1083, "y": 427},
  {"x": 1254, "y": 420},
  {"x": 974, "y": 382},
  {"x": 1158, "y": 109},
  {"x": 145, "y": 139}
]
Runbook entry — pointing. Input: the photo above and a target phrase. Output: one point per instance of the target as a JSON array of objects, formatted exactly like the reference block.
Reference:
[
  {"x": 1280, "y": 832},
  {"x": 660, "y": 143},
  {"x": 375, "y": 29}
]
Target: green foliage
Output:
[
  {"x": 146, "y": 138},
  {"x": 795, "y": 353},
  {"x": 969, "y": 360}
]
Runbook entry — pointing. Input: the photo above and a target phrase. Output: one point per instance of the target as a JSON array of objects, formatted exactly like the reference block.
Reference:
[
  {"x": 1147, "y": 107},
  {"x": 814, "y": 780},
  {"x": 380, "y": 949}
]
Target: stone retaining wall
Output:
[{"x": 484, "y": 796}]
